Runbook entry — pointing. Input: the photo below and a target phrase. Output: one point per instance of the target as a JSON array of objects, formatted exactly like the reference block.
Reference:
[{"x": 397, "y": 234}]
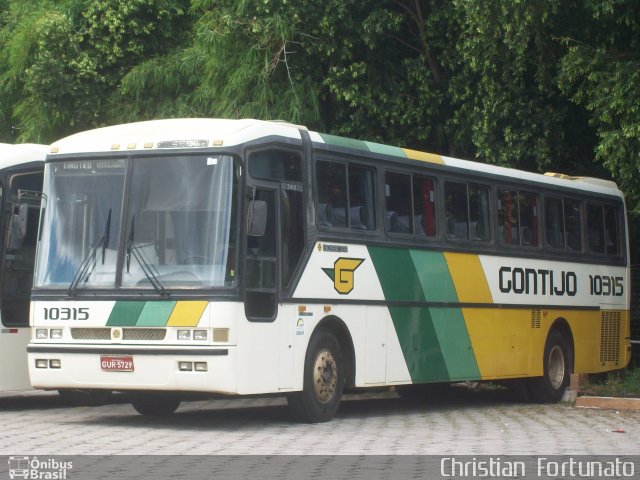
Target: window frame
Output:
[{"x": 347, "y": 162}]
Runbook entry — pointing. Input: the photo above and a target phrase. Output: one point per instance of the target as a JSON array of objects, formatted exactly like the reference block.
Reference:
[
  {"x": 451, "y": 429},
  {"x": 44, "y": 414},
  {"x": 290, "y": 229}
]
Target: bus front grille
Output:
[
  {"x": 91, "y": 333},
  {"x": 154, "y": 334},
  {"x": 610, "y": 337},
  {"x": 135, "y": 334}
]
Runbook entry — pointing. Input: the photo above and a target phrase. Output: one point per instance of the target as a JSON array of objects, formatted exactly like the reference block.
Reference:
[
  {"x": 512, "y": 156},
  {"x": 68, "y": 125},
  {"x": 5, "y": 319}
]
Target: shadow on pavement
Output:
[{"x": 252, "y": 413}]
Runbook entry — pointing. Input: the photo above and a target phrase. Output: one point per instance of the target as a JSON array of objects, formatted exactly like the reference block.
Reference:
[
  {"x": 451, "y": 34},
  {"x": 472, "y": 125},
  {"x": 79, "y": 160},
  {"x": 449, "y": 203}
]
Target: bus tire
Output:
[
  {"x": 323, "y": 380},
  {"x": 557, "y": 370},
  {"x": 154, "y": 404}
]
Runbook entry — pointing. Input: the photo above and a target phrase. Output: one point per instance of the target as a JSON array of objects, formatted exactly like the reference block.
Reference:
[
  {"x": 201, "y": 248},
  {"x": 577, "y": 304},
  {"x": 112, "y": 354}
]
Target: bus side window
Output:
[
  {"x": 332, "y": 193},
  {"x": 398, "y": 214},
  {"x": 612, "y": 230},
  {"x": 424, "y": 203},
  {"x": 342, "y": 205},
  {"x": 595, "y": 229},
  {"x": 479, "y": 213},
  {"x": 361, "y": 198},
  {"x": 508, "y": 218},
  {"x": 456, "y": 210},
  {"x": 573, "y": 230},
  {"x": 554, "y": 222},
  {"x": 528, "y": 208}
]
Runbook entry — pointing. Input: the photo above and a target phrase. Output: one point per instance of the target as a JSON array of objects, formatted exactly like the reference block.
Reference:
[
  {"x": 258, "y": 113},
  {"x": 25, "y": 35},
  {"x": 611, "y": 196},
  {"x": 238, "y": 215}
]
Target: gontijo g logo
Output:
[{"x": 342, "y": 273}]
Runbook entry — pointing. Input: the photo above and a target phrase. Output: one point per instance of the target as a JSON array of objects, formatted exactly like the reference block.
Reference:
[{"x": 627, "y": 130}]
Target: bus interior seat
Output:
[
  {"x": 358, "y": 218},
  {"x": 325, "y": 214}
]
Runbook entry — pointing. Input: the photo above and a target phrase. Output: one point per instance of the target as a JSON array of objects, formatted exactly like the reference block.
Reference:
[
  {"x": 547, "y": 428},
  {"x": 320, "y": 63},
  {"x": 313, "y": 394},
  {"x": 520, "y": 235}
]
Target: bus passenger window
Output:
[
  {"x": 332, "y": 194},
  {"x": 612, "y": 230},
  {"x": 554, "y": 222},
  {"x": 508, "y": 218},
  {"x": 424, "y": 204},
  {"x": 573, "y": 232},
  {"x": 595, "y": 229},
  {"x": 479, "y": 213},
  {"x": 361, "y": 198},
  {"x": 528, "y": 208},
  {"x": 398, "y": 215},
  {"x": 456, "y": 210}
]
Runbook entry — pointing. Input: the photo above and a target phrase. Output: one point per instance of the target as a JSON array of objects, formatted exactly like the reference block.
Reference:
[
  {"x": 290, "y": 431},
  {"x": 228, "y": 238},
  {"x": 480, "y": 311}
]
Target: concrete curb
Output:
[{"x": 611, "y": 403}]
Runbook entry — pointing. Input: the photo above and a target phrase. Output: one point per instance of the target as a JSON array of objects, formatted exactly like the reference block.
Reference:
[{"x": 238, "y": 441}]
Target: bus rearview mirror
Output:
[
  {"x": 18, "y": 230},
  {"x": 257, "y": 218}
]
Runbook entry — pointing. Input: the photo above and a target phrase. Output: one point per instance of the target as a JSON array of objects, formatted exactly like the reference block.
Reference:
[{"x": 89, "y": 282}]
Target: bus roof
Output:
[
  {"x": 173, "y": 133},
  {"x": 206, "y": 132},
  {"x": 11, "y": 155}
]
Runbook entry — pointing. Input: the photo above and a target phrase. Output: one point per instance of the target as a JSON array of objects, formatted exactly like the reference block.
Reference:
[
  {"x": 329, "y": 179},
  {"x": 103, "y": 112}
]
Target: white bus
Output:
[
  {"x": 243, "y": 257},
  {"x": 21, "y": 171}
]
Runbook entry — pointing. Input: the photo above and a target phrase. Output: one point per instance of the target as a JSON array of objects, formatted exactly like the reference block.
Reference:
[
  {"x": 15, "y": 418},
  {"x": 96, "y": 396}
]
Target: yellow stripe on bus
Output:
[
  {"x": 423, "y": 156},
  {"x": 187, "y": 314},
  {"x": 468, "y": 278}
]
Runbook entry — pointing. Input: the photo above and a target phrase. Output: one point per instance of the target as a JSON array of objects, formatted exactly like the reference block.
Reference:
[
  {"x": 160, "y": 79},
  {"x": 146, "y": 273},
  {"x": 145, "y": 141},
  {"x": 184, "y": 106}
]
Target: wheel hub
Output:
[
  {"x": 556, "y": 367},
  {"x": 325, "y": 376}
]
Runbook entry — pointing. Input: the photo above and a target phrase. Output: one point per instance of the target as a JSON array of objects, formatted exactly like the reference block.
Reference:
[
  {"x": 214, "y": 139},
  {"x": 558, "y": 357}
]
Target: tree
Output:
[
  {"x": 62, "y": 62},
  {"x": 601, "y": 72}
]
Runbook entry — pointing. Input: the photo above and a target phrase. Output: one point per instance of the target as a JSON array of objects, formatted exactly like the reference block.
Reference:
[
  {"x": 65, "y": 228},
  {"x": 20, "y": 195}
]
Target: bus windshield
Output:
[{"x": 176, "y": 229}]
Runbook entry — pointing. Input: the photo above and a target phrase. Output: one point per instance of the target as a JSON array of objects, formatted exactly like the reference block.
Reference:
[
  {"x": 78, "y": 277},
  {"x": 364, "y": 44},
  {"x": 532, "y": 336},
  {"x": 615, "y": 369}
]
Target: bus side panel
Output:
[{"x": 14, "y": 374}]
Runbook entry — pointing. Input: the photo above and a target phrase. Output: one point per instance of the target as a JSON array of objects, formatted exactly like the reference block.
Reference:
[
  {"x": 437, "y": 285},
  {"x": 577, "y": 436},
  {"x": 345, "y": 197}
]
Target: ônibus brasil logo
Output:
[
  {"x": 342, "y": 273},
  {"x": 36, "y": 469}
]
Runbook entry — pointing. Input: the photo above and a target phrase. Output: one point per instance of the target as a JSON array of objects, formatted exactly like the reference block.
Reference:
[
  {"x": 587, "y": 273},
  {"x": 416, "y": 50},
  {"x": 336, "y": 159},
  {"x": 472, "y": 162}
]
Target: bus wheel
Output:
[
  {"x": 557, "y": 369},
  {"x": 323, "y": 380},
  {"x": 155, "y": 404}
]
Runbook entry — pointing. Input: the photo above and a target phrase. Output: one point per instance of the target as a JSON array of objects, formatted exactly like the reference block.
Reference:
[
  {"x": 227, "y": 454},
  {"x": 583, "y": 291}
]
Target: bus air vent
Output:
[
  {"x": 91, "y": 333},
  {"x": 610, "y": 337},
  {"x": 535, "y": 318},
  {"x": 154, "y": 334}
]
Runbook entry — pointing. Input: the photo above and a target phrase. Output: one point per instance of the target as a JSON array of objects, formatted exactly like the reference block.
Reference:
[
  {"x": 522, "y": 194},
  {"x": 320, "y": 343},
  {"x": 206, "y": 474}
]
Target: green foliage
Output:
[
  {"x": 621, "y": 383},
  {"x": 62, "y": 62},
  {"x": 538, "y": 84},
  {"x": 507, "y": 93},
  {"x": 601, "y": 72}
]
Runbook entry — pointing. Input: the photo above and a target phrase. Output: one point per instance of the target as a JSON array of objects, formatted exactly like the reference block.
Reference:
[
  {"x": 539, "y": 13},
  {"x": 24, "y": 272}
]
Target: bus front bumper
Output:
[{"x": 121, "y": 367}]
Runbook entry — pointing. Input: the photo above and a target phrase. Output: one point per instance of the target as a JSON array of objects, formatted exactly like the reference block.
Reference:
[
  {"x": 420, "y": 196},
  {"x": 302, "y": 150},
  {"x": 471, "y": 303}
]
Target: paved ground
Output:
[{"x": 462, "y": 423}]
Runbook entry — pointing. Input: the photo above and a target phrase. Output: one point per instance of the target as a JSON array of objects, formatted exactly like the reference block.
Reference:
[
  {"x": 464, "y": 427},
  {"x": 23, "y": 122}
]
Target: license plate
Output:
[{"x": 117, "y": 364}]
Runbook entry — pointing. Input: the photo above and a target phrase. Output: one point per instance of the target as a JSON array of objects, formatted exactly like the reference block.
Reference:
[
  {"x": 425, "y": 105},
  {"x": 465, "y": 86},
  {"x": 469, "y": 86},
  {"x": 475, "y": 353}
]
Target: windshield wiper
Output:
[
  {"x": 89, "y": 261},
  {"x": 147, "y": 267}
]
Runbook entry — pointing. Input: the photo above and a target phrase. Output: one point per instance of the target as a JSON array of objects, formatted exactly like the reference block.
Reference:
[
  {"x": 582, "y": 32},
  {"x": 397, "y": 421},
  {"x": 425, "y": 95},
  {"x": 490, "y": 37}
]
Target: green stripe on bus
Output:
[
  {"x": 344, "y": 142},
  {"x": 434, "y": 341},
  {"x": 155, "y": 314},
  {"x": 125, "y": 313},
  {"x": 433, "y": 272},
  {"x": 455, "y": 343},
  {"x": 419, "y": 344},
  {"x": 386, "y": 149},
  {"x": 397, "y": 274}
]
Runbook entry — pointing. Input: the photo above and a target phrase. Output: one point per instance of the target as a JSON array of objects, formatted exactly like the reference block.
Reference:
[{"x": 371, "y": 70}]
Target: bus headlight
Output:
[
  {"x": 55, "y": 333},
  {"x": 199, "y": 334},
  {"x": 184, "y": 334},
  {"x": 42, "y": 334}
]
